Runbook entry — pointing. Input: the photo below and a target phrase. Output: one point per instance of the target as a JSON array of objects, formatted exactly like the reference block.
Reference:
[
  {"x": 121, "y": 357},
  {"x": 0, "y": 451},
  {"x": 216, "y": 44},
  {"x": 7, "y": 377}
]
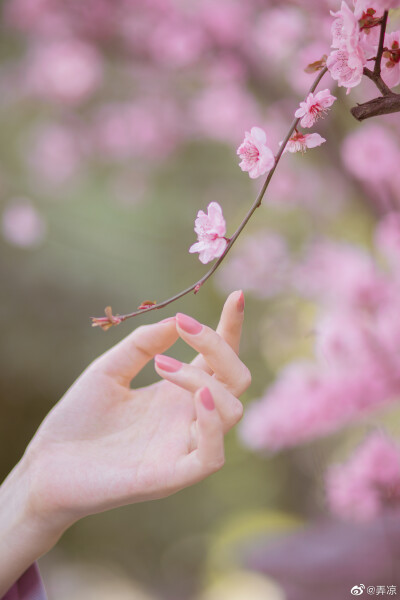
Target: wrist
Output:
[{"x": 24, "y": 533}]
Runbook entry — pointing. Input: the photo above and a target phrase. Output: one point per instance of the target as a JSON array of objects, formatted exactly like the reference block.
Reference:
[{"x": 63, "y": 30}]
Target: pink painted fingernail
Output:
[
  {"x": 167, "y": 363},
  {"x": 240, "y": 302},
  {"x": 206, "y": 399},
  {"x": 188, "y": 324},
  {"x": 167, "y": 320}
]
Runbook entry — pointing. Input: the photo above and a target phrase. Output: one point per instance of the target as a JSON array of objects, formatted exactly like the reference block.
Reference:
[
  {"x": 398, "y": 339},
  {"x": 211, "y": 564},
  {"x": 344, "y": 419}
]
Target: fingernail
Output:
[
  {"x": 167, "y": 363},
  {"x": 206, "y": 399},
  {"x": 188, "y": 324},
  {"x": 167, "y": 320},
  {"x": 240, "y": 302}
]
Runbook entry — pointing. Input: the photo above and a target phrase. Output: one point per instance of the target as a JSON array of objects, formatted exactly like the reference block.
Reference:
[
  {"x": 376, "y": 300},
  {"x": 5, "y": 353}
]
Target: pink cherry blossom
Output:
[
  {"x": 347, "y": 68},
  {"x": 210, "y": 229},
  {"x": 299, "y": 142},
  {"x": 345, "y": 29},
  {"x": 360, "y": 488},
  {"x": 314, "y": 107},
  {"x": 391, "y": 60},
  {"x": 256, "y": 157}
]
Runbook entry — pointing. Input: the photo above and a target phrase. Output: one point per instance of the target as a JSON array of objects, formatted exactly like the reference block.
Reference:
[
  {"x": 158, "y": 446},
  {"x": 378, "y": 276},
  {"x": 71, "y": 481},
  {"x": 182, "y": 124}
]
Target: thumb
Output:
[{"x": 125, "y": 360}]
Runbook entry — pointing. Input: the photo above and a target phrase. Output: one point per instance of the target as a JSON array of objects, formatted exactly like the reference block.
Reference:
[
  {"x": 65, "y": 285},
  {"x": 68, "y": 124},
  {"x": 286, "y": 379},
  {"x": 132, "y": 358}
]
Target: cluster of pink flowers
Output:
[
  {"x": 355, "y": 37},
  {"x": 369, "y": 482},
  {"x": 309, "y": 111},
  {"x": 257, "y": 159}
]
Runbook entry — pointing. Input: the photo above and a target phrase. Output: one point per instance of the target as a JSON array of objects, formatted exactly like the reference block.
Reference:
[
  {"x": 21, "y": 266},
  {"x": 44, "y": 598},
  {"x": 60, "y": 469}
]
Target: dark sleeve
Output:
[{"x": 28, "y": 587}]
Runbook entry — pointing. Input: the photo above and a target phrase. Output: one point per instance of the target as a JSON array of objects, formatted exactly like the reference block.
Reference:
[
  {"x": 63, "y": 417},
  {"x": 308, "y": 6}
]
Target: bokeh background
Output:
[{"x": 119, "y": 121}]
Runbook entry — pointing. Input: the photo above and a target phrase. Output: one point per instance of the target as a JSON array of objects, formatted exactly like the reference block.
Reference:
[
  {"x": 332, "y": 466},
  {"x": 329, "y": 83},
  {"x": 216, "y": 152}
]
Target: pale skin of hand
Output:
[{"x": 106, "y": 444}]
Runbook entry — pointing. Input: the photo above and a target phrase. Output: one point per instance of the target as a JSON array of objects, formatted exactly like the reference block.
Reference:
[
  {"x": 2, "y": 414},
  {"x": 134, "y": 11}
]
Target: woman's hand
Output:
[{"x": 105, "y": 444}]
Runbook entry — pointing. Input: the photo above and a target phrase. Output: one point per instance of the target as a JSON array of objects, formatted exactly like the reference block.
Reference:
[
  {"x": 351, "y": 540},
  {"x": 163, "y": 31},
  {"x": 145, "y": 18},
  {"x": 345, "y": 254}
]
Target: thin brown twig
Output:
[
  {"x": 377, "y": 67},
  {"x": 375, "y": 75},
  {"x": 109, "y": 320}
]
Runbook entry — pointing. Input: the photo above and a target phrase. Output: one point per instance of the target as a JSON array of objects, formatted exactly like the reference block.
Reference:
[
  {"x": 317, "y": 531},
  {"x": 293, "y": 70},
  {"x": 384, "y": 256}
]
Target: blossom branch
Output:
[
  {"x": 389, "y": 102},
  {"x": 383, "y": 105},
  {"x": 109, "y": 320}
]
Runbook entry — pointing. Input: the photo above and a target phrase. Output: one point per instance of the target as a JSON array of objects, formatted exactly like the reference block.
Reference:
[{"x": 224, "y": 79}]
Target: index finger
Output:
[
  {"x": 229, "y": 326},
  {"x": 128, "y": 357},
  {"x": 220, "y": 357}
]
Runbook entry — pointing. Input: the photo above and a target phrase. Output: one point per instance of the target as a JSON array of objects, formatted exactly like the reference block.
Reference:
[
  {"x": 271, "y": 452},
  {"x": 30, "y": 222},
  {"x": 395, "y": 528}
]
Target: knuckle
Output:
[
  {"x": 140, "y": 341},
  {"x": 216, "y": 464},
  {"x": 213, "y": 339},
  {"x": 237, "y": 412},
  {"x": 245, "y": 379}
]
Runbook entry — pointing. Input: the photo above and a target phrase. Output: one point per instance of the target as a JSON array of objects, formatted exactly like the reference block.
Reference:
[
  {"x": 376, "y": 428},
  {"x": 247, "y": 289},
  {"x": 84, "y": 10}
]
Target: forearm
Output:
[{"x": 23, "y": 536}]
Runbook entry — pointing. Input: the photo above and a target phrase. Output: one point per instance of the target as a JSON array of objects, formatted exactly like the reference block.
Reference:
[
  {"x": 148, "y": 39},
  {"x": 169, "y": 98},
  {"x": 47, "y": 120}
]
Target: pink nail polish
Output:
[
  {"x": 240, "y": 302},
  {"x": 206, "y": 399},
  {"x": 167, "y": 363},
  {"x": 167, "y": 320},
  {"x": 188, "y": 324}
]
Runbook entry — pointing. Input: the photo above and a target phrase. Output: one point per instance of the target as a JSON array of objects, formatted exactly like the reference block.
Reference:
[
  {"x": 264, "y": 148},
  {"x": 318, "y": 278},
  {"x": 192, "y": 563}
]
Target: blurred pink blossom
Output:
[
  {"x": 299, "y": 142},
  {"x": 225, "y": 68},
  {"x": 221, "y": 112},
  {"x": 370, "y": 153},
  {"x": 67, "y": 71},
  {"x": 299, "y": 80},
  {"x": 176, "y": 43},
  {"x": 225, "y": 21},
  {"x": 55, "y": 153},
  {"x": 256, "y": 157},
  {"x": 260, "y": 266},
  {"x": 210, "y": 229},
  {"x": 370, "y": 480},
  {"x": 314, "y": 107},
  {"x": 360, "y": 284},
  {"x": 308, "y": 402},
  {"x": 52, "y": 18},
  {"x": 387, "y": 240},
  {"x": 268, "y": 37},
  {"x": 35, "y": 16},
  {"x": 143, "y": 129},
  {"x": 22, "y": 224},
  {"x": 346, "y": 341},
  {"x": 378, "y": 5}
]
